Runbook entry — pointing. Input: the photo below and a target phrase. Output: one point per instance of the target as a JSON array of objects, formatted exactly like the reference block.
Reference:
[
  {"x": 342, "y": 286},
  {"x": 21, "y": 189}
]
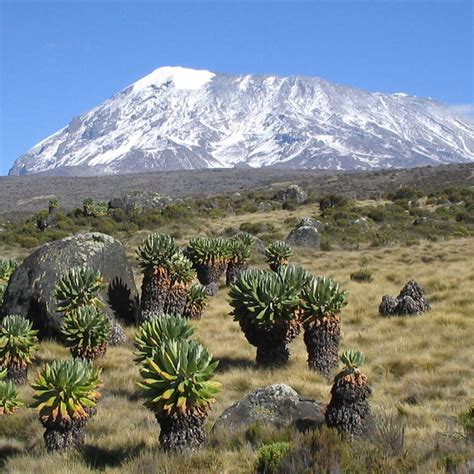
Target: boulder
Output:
[
  {"x": 310, "y": 222},
  {"x": 304, "y": 236},
  {"x": 277, "y": 405},
  {"x": 293, "y": 194},
  {"x": 31, "y": 288}
]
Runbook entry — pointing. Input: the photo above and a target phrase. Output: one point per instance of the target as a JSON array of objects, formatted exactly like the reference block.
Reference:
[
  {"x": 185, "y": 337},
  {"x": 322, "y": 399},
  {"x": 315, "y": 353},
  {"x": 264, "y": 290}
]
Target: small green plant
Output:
[
  {"x": 79, "y": 287},
  {"x": 467, "y": 422},
  {"x": 196, "y": 301},
  {"x": 278, "y": 253},
  {"x": 270, "y": 456},
  {"x": 66, "y": 394},
  {"x": 7, "y": 267},
  {"x": 18, "y": 343},
  {"x": 178, "y": 388},
  {"x": 9, "y": 398},
  {"x": 153, "y": 333},
  {"x": 353, "y": 360},
  {"x": 86, "y": 331},
  {"x": 53, "y": 203},
  {"x": 362, "y": 275}
]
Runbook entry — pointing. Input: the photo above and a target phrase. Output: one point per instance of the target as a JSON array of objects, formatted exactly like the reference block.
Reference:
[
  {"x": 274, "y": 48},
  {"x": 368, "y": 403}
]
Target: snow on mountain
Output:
[{"x": 178, "y": 118}]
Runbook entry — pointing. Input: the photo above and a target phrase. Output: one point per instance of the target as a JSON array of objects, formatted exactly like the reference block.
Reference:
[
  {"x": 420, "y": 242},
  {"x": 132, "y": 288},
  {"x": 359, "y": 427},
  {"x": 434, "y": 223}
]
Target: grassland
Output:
[{"x": 421, "y": 368}]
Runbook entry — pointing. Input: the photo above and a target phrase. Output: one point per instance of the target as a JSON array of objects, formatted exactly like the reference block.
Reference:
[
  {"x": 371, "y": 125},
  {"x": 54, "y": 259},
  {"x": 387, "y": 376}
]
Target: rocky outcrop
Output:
[
  {"x": 293, "y": 194},
  {"x": 277, "y": 405},
  {"x": 31, "y": 288},
  {"x": 410, "y": 301},
  {"x": 311, "y": 222},
  {"x": 304, "y": 236}
]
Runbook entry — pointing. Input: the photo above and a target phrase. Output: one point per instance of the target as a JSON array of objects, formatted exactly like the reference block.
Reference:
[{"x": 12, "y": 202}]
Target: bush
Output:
[
  {"x": 362, "y": 275},
  {"x": 28, "y": 242},
  {"x": 331, "y": 201},
  {"x": 270, "y": 457}
]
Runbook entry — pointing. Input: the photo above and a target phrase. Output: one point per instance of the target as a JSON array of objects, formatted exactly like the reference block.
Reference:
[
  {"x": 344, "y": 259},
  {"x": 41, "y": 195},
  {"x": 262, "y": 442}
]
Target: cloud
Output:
[{"x": 466, "y": 110}]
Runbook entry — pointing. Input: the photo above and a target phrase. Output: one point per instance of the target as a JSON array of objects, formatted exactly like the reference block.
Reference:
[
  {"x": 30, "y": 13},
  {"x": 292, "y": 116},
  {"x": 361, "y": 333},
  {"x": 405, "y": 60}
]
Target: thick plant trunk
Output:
[
  {"x": 63, "y": 439},
  {"x": 349, "y": 410},
  {"x": 89, "y": 353},
  {"x": 233, "y": 271},
  {"x": 180, "y": 432},
  {"x": 154, "y": 293},
  {"x": 59, "y": 438},
  {"x": 271, "y": 342},
  {"x": 176, "y": 301},
  {"x": 18, "y": 374},
  {"x": 273, "y": 355},
  {"x": 322, "y": 343},
  {"x": 208, "y": 274}
]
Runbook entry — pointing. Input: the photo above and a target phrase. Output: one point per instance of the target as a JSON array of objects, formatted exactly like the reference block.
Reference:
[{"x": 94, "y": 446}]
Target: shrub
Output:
[
  {"x": 362, "y": 275},
  {"x": 270, "y": 457},
  {"x": 332, "y": 201}
]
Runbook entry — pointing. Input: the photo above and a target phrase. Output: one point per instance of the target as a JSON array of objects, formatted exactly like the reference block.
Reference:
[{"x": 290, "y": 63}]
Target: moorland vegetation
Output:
[{"x": 398, "y": 389}]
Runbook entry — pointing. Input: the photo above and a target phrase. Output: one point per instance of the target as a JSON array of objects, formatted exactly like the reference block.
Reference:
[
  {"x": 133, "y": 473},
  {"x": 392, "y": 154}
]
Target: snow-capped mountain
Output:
[{"x": 177, "y": 118}]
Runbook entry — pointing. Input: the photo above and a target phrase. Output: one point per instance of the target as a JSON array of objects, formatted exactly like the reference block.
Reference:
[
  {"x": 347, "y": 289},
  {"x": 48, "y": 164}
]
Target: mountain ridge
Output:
[{"x": 180, "y": 118}]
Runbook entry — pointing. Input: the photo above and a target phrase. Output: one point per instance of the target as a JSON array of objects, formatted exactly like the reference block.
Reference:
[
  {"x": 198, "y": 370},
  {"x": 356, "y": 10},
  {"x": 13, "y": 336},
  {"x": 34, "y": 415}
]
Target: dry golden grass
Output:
[{"x": 422, "y": 367}]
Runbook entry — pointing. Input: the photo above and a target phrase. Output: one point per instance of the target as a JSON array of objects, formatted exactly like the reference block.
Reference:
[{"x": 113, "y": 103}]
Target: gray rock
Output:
[
  {"x": 278, "y": 405},
  {"x": 304, "y": 236},
  {"x": 293, "y": 194},
  {"x": 31, "y": 288},
  {"x": 310, "y": 222}
]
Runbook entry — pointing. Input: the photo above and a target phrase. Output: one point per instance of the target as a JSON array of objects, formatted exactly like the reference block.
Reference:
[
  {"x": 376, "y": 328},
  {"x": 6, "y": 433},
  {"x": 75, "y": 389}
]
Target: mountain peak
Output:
[
  {"x": 182, "y": 78},
  {"x": 181, "y": 118}
]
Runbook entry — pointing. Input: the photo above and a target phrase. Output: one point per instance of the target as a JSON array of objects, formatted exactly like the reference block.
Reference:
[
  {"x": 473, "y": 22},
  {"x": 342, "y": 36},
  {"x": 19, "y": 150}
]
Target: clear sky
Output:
[{"x": 59, "y": 59}]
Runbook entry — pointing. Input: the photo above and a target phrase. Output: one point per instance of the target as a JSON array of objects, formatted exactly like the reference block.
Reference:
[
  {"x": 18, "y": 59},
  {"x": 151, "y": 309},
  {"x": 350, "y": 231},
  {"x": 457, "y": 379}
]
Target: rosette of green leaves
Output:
[
  {"x": 177, "y": 378},
  {"x": 86, "y": 328},
  {"x": 156, "y": 251},
  {"x": 9, "y": 398},
  {"x": 66, "y": 391},
  {"x": 263, "y": 298},
  {"x": 321, "y": 296},
  {"x": 18, "y": 341},
  {"x": 207, "y": 250},
  {"x": 152, "y": 334},
  {"x": 79, "y": 287}
]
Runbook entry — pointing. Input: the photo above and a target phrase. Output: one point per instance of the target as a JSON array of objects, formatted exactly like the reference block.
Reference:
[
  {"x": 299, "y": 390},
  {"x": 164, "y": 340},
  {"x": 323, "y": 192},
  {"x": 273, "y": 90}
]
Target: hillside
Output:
[{"x": 26, "y": 194}]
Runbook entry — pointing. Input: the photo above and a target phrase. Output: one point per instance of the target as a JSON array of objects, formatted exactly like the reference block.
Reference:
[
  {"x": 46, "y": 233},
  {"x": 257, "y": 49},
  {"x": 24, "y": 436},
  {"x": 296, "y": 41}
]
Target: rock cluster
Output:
[{"x": 411, "y": 300}]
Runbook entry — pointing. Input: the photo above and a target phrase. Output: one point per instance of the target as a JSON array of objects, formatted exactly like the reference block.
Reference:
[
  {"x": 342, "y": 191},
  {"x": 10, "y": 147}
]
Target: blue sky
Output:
[{"x": 59, "y": 59}]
